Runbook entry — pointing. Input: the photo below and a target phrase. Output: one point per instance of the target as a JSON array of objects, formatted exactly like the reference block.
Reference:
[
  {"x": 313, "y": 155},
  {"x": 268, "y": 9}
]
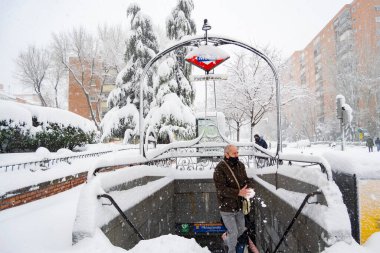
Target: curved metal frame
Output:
[{"x": 217, "y": 41}]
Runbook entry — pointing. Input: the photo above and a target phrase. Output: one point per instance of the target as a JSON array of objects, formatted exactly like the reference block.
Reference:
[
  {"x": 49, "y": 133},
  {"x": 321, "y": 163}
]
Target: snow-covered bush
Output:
[
  {"x": 172, "y": 120},
  {"x": 56, "y": 136},
  {"x": 120, "y": 123},
  {"x": 15, "y": 137},
  {"x": 25, "y": 127}
]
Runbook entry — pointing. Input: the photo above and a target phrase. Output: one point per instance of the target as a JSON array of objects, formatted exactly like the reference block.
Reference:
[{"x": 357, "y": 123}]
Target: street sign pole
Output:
[{"x": 206, "y": 99}]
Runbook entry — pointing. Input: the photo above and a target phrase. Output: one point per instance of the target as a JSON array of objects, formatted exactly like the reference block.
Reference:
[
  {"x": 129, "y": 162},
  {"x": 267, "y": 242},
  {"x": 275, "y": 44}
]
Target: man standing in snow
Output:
[
  {"x": 370, "y": 144},
  {"x": 260, "y": 141},
  {"x": 232, "y": 184},
  {"x": 377, "y": 142}
]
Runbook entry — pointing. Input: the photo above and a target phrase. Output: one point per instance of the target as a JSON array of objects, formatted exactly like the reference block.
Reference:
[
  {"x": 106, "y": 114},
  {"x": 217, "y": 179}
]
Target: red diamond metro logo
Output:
[{"x": 207, "y": 57}]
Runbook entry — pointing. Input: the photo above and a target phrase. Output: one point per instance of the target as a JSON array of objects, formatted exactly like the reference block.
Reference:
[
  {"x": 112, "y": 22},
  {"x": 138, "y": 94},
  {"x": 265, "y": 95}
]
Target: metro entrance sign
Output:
[
  {"x": 207, "y": 63},
  {"x": 195, "y": 78},
  {"x": 207, "y": 57}
]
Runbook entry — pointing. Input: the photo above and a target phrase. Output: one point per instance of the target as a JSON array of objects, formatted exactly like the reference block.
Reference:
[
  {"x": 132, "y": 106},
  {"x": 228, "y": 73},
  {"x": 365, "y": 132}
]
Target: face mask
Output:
[{"x": 233, "y": 160}]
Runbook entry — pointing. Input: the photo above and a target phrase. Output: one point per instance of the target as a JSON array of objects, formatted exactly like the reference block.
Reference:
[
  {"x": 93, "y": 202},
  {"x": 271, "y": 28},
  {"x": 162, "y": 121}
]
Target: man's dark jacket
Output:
[
  {"x": 262, "y": 143},
  {"x": 226, "y": 188}
]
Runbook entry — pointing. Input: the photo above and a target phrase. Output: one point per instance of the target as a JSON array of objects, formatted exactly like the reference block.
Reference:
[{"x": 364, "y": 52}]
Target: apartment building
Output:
[
  {"x": 343, "y": 58},
  {"x": 96, "y": 82}
]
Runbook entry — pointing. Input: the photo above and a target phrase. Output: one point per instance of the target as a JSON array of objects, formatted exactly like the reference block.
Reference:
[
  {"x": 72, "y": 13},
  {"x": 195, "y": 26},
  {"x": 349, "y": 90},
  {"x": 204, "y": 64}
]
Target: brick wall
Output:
[{"x": 40, "y": 191}]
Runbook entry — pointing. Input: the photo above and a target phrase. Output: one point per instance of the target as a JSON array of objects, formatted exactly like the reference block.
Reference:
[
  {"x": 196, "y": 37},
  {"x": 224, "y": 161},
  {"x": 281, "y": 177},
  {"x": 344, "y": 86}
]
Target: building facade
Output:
[
  {"x": 89, "y": 87},
  {"x": 343, "y": 58}
]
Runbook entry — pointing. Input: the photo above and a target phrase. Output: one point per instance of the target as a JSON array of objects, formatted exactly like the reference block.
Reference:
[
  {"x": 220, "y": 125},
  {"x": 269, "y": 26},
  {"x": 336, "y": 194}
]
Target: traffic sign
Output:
[{"x": 207, "y": 57}]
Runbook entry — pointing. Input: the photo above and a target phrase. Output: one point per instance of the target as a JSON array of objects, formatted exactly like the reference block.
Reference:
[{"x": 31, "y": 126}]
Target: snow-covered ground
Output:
[{"x": 46, "y": 225}]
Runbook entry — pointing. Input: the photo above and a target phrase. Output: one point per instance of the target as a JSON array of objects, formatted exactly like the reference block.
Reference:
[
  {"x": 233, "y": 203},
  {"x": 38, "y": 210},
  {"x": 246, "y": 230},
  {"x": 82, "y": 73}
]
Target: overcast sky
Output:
[{"x": 286, "y": 25}]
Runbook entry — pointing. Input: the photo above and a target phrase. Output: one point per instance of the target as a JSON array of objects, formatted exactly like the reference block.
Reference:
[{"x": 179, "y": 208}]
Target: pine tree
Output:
[
  {"x": 171, "y": 118},
  {"x": 180, "y": 24},
  {"x": 142, "y": 45}
]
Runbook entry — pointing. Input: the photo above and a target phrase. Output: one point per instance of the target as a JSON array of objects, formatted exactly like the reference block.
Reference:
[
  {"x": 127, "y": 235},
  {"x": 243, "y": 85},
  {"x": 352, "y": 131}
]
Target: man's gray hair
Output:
[{"x": 228, "y": 148}]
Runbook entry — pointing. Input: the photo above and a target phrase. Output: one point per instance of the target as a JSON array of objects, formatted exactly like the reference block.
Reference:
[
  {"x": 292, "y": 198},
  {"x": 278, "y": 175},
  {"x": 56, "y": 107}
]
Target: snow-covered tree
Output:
[
  {"x": 124, "y": 100},
  {"x": 141, "y": 47},
  {"x": 112, "y": 46},
  {"x": 171, "y": 86},
  {"x": 32, "y": 70},
  {"x": 252, "y": 82},
  {"x": 78, "y": 51},
  {"x": 57, "y": 80},
  {"x": 169, "y": 124},
  {"x": 179, "y": 24},
  {"x": 301, "y": 124}
]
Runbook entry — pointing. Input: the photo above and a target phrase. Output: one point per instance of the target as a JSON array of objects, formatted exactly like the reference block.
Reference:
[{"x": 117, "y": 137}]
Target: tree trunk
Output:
[{"x": 41, "y": 99}]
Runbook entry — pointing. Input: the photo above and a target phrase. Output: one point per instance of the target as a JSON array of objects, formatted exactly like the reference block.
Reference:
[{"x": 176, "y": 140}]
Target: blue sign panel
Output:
[{"x": 209, "y": 228}]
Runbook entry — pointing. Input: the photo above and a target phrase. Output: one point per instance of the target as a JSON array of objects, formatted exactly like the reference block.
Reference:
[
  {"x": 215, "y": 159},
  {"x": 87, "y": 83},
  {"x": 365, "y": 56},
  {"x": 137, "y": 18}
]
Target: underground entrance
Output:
[{"x": 164, "y": 200}]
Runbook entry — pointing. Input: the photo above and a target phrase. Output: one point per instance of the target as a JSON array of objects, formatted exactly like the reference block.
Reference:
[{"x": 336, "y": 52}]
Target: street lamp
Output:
[{"x": 205, "y": 28}]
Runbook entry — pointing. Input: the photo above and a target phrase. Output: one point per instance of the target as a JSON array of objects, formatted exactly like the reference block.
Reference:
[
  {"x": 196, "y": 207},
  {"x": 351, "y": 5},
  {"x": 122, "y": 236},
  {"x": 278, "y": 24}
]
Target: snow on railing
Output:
[{"x": 44, "y": 164}]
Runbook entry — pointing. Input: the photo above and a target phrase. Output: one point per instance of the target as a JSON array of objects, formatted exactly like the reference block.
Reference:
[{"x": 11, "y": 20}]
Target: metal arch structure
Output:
[{"x": 217, "y": 41}]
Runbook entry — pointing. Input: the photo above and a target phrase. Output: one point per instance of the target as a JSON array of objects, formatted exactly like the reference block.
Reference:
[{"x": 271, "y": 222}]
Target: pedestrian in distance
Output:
[
  {"x": 377, "y": 142},
  {"x": 232, "y": 185},
  {"x": 370, "y": 144},
  {"x": 260, "y": 141}
]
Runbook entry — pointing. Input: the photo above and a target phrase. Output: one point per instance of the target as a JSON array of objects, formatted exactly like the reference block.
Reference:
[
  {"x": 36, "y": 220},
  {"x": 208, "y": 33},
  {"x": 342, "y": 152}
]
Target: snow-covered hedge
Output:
[
  {"x": 26, "y": 127},
  {"x": 120, "y": 123}
]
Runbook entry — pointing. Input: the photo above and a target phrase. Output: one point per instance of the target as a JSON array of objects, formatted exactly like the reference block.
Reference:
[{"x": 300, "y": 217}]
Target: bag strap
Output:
[{"x": 233, "y": 174}]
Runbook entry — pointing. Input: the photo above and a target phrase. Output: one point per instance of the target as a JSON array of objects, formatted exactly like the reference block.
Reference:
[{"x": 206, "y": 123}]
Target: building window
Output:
[
  {"x": 377, "y": 19},
  {"x": 93, "y": 83},
  {"x": 93, "y": 99},
  {"x": 377, "y": 7}
]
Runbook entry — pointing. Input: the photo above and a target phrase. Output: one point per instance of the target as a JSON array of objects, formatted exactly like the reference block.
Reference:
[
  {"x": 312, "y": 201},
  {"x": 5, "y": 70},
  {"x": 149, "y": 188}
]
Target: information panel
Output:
[{"x": 369, "y": 207}]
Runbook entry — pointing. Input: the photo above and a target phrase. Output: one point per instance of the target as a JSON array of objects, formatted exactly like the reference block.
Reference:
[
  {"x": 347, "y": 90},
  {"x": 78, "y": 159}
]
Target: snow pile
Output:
[
  {"x": 362, "y": 164},
  {"x": 15, "y": 112},
  {"x": 23, "y": 113},
  {"x": 88, "y": 211},
  {"x": 169, "y": 243},
  {"x": 166, "y": 243},
  {"x": 299, "y": 144},
  {"x": 371, "y": 246},
  {"x": 354, "y": 160}
]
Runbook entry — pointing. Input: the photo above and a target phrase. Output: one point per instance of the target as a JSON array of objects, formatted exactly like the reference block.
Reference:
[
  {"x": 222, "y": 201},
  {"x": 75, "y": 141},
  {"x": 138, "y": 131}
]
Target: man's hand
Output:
[{"x": 244, "y": 191}]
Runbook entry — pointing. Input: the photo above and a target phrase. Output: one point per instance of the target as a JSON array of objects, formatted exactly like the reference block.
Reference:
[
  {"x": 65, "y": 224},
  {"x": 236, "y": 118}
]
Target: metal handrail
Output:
[
  {"x": 47, "y": 162},
  {"x": 294, "y": 219},
  {"x": 121, "y": 213}
]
